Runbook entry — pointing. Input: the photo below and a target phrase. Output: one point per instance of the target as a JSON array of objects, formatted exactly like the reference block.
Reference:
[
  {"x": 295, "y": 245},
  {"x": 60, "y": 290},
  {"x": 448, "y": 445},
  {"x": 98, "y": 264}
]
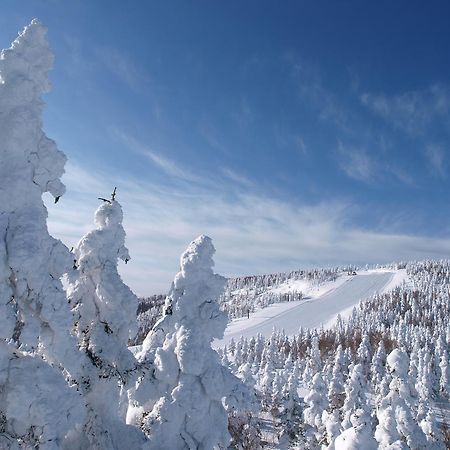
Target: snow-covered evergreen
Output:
[
  {"x": 104, "y": 310},
  {"x": 38, "y": 356},
  {"x": 187, "y": 372}
]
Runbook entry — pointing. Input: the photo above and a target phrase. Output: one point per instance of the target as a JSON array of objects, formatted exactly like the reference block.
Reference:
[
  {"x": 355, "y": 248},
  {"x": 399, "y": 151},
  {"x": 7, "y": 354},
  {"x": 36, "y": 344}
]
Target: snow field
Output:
[{"x": 319, "y": 308}]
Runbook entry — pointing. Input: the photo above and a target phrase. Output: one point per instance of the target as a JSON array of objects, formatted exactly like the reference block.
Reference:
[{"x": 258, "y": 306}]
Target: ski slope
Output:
[{"x": 309, "y": 313}]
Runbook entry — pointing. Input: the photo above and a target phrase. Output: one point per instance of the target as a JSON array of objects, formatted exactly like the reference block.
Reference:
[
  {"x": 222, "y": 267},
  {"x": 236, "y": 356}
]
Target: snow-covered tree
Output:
[
  {"x": 444, "y": 380},
  {"x": 189, "y": 378},
  {"x": 317, "y": 403},
  {"x": 314, "y": 362},
  {"x": 266, "y": 384},
  {"x": 355, "y": 395},
  {"x": 38, "y": 408},
  {"x": 432, "y": 431},
  {"x": 245, "y": 374},
  {"x": 243, "y": 426},
  {"x": 104, "y": 310},
  {"x": 336, "y": 386},
  {"x": 332, "y": 423},
  {"x": 277, "y": 391},
  {"x": 291, "y": 413},
  {"x": 359, "y": 436},
  {"x": 396, "y": 424},
  {"x": 364, "y": 353}
]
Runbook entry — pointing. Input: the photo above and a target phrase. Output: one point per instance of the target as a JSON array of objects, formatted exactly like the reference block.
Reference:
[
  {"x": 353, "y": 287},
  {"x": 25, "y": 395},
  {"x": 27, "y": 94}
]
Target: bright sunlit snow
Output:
[
  {"x": 318, "y": 308},
  {"x": 325, "y": 355}
]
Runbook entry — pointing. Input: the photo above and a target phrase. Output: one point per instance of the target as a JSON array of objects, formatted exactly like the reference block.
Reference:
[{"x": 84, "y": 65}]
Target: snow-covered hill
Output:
[
  {"x": 376, "y": 379},
  {"x": 320, "y": 304}
]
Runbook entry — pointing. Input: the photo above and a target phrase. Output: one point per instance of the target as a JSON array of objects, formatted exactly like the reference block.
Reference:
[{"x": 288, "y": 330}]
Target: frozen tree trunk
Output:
[
  {"x": 188, "y": 378},
  {"x": 104, "y": 310},
  {"x": 37, "y": 354}
]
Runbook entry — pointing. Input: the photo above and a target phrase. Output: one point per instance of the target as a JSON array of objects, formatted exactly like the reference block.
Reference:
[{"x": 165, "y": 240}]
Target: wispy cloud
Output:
[
  {"x": 413, "y": 111},
  {"x": 312, "y": 89},
  {"x": 288, "y": 139},
  {"x": 253, "y": 233},
  {"x": 211, "y": 135},
  {"x": 121, "y": 66},
  {"x": 236, "y": 177},
  {"x": 244, "y": 115},
  {"x": 436, "y": 160},
  {"x": 357, "y": 163},
  {"x": 167, "y": 165}
]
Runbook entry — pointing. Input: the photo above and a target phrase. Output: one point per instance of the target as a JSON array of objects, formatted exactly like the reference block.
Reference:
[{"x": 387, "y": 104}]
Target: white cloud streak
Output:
[
  {"x": 167, "y": 165},
  {"x": 436, "y": 160},
  {"x": 414, "y": 111},
  {"x": 121, "y": 66},
  {"x": 356, "y": 163},
  {"x": 252, "y": 232},
  {"x": 359, "y": 164}
]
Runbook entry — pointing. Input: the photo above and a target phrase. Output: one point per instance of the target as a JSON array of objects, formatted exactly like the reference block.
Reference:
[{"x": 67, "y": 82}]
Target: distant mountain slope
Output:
[
  {"x": 246, "y": 295},
  {"x": 314, "y": 310}
]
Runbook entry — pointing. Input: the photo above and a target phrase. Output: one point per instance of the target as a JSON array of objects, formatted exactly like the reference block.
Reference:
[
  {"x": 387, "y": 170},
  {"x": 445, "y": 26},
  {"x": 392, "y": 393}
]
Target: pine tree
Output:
[
  {"x": 396, "y": 424},
  {"x": 377, "y": 368},
  {"x": 444, "y": 382},
  {"x": 291, "y": 413},
  {"x": 359, "y": 435},
  {"x": 355, "y": 397},
  {"x": 266, "y": 384},
  {"x": 336, "y": 394},
  {"x": 314, "y": 363},
  {"x": 317, "y": 404},
  {"x": 190, "y": 379},
  {"x": 104, "y": 310},
  {"x": 39, "y": 406},
  {"x": 432, "y": 431},
  {"x": 364, "y": 353}
]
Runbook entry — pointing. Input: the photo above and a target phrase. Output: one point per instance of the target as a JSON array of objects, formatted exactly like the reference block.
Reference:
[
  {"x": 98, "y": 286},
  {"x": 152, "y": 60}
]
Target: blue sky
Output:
[{"x": 293, "y": 133}]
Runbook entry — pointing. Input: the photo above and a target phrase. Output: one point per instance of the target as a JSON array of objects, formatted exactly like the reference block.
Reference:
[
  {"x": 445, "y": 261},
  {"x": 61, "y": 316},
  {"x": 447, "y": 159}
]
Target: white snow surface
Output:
[{"x": 320, "y": 307}]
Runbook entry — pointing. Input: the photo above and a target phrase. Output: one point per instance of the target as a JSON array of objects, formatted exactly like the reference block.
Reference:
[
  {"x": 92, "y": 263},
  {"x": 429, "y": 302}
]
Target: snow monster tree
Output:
[
  {"x": 180, "y": 406},
  {"x": 38, "y": 357},
  {"x": 104, "y": 310}
]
